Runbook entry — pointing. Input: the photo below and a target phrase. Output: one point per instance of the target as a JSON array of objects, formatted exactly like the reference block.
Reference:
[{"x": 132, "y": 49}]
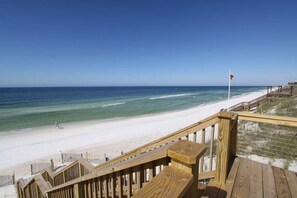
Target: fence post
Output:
[
  {"x": 185, "y": 155},
  {"x": 13, "y": 178},
  {"x": 31, "y": 168},
  {"x": 52, "y": 165},
  {"x": 223, "y": 147},
  {"x": 291, "y": 90}
]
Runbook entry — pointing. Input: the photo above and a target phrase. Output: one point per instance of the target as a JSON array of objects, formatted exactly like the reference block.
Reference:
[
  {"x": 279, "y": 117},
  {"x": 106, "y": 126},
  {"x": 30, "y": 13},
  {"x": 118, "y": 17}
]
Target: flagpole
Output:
[{"x": 229, "y": 88}]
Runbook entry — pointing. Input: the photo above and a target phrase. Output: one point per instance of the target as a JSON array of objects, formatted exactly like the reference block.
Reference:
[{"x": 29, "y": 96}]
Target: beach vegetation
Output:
[{"x": 269, "y": 140}]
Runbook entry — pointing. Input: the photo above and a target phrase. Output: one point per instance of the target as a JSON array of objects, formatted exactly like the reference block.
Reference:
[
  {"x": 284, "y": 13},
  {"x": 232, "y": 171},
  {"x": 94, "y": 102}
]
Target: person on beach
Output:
[{"x": 57, "y": 125}]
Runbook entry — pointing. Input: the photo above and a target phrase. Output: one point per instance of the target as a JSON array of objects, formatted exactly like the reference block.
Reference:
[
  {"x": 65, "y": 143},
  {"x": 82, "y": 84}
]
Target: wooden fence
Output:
[{"x": 7, "y": 180}]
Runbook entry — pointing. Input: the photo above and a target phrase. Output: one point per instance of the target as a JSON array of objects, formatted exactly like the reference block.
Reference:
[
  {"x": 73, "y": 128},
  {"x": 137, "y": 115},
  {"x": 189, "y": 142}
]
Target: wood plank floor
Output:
[{"x": 248, "y": 178}]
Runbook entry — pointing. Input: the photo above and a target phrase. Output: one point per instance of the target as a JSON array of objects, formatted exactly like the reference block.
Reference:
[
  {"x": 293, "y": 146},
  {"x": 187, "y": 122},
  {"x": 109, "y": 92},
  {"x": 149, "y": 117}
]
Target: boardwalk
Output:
[{"x": 248, "y": 178}]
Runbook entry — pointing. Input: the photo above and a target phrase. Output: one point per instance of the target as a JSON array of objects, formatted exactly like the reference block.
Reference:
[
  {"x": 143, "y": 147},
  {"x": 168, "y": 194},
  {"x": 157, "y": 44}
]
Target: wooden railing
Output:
[
  {"x": 271, "y": 119},
  {"x": 74, "y": 170},
  {"x": 145, "y": 162},
  {"x": 269, "y": 136},
  {"x": 247, "y": 106},
  {"x": 181, "y": 178},
  {"x": 39, "y": 184},
  {"x": 36, "y": 187},
  {"x": 204, "y": 132},
  {"x": 127, "y": 177}
]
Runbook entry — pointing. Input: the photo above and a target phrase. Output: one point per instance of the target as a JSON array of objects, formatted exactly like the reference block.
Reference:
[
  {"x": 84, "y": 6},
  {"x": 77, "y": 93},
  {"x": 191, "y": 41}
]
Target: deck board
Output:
[
  {"x": 268, "y": 182},
  {"x": 256, "y": 189},
  {"x": 211, "y": 190},
  {"x": 248, "y": 178},
  {"x": 228, "y": 187},
  {"x": 242, "y": 181},
  {"x": 292, "y": 182},
  {"x": 281, "y": 184}
]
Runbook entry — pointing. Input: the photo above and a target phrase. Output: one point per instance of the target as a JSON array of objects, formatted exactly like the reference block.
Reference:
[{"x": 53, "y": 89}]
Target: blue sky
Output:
[{"x": 110, "y": 43}]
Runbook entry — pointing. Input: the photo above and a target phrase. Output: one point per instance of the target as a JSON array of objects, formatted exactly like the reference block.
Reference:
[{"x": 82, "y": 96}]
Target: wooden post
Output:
[
  {"x": 31, "y": 168},
  {"x": 78, "y": 190},
  {"x": 291, "y": 90},
  {"x": 233, "y": 138},
  {"x": 223, "y": 147},
  {"x": 202, "y": 158},
  {"x": 13, "y": 178},
  {"x": 52, "y": 165},
  {"x": 185, "y": 156}
]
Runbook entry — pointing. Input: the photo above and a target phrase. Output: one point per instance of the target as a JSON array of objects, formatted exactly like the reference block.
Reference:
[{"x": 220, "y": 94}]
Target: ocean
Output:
[{"x": 22, "y": 108}]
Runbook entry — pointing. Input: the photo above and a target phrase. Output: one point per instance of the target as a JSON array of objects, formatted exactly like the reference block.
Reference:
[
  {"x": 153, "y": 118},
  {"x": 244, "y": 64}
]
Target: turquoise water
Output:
[{"x": 34, "y": 107}]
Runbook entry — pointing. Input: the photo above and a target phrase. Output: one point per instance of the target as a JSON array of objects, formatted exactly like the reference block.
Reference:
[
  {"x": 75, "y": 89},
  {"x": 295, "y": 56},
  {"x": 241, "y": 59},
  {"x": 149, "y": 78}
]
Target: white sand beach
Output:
[{"x": 19, "y": 149}]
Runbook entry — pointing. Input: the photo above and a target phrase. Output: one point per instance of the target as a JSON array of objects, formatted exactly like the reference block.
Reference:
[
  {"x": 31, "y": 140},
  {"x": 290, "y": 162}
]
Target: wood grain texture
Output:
[
  {"x": 171, "y": 182},
  {"x": 186, "y": 151},
  {"x": 242, "y": 181},
  {"x": 292, "y": 182},
  {"x": 228, "y": 187},
  {"x": 282, "y": 188},
  {"x": 223, "y": 147},
  {"x": 272, "y": 119},
  {"x": 269, "y": 189},
  {"x": 256, "y": 189},
  {"x": 212, "y": 189}
]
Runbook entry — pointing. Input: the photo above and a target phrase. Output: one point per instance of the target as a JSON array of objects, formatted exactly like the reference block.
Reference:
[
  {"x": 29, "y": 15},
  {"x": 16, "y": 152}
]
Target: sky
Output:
[{"x": 147, "y": 43}]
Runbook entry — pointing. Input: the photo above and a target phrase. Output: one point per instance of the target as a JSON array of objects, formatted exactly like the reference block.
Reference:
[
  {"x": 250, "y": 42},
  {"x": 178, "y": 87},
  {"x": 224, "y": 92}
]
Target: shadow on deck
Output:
[{"x": 249, "y": 178}]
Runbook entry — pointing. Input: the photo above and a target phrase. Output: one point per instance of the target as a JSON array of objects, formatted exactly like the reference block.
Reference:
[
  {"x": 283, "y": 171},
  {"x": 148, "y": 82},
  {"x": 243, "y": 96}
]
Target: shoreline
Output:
[
  {"x": 97, "y": 121},
  {"x": 111, "y": 136}
]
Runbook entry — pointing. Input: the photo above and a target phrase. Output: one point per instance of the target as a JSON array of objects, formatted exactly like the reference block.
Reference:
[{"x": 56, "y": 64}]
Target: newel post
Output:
[
  {"x": 185, "y": 155},
  {"x": 223, "y": 147}
]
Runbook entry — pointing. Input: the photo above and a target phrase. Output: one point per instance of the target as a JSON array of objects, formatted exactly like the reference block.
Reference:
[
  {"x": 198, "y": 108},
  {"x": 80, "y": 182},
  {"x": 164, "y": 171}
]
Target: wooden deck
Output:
[{"x": 248, "y": 178}]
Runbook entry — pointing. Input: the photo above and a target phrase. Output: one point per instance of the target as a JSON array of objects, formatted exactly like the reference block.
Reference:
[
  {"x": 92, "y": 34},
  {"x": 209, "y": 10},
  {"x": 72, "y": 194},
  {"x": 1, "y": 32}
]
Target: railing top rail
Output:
[
  {"x": 82, "y": 161},
  {"x": 43, "y": 185},
  {"x": 211, "y": 120},
  {"x": 272, "y": 119},
  {"x": 143, "y": 158},
  {"x": 22, "y": 184}
]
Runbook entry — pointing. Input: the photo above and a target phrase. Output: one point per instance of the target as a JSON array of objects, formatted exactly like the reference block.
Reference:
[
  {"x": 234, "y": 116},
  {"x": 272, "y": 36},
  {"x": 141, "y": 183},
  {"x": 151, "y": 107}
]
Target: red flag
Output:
[{"x": 231, "y": 77}]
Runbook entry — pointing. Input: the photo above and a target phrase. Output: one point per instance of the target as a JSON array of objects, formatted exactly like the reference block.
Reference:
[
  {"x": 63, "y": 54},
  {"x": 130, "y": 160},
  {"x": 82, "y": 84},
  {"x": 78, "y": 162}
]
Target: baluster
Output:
[
  {"x": 211, "y": 147},
  {"x": 152, "y": 170},
  {"x": 105, "y": 186},
  {"x": 120, "y": 184},
  {"x": 129, "y": 183},
  {"x": 99, "y": 186},
  {"x": 85, "y": 189},
  {"x": 94, "y": 188},
  {"x": 90, "y": 194},
  {"x": 195, "y": 137},
  {"x": 139, "y": 177},
  {"x": 112, "y": 185},
  {"x": 202, "y": 158}
]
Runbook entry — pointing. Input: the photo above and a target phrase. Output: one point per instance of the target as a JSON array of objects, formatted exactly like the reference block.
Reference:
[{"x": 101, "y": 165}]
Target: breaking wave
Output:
[
  {"x": 170, "y": 96},
  {"x": 113, "y": 104}
]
